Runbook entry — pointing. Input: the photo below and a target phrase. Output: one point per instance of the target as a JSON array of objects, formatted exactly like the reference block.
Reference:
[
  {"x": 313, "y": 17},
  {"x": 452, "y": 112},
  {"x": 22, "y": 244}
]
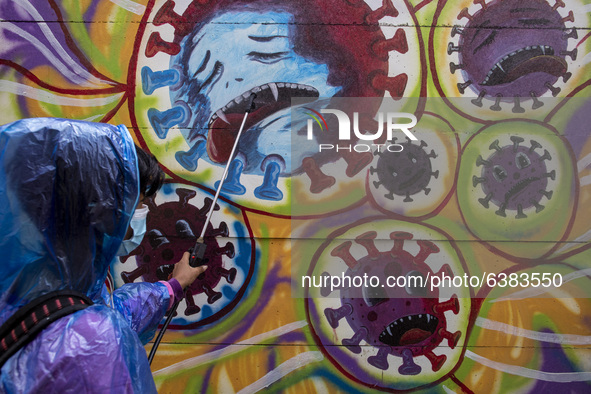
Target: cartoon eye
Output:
[
  {"x": 267, "y": 58},
  {"x": 499, "y": 173},
  {"x": 374, "y": 295},
  {"x": 522, "y": 161},
  {"x": 415, "y": 284},
  {"x": 392, "y": 171}
]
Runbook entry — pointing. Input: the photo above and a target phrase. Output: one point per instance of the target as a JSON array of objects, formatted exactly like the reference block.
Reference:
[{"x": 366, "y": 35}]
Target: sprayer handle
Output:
[{"x": 197, "y": 254}]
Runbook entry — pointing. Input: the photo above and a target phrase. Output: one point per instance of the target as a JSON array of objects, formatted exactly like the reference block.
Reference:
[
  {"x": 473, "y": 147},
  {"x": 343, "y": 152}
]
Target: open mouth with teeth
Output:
[
  {"x": 225, "y": 123},
  {"x": 525, "y": 61},
  {"x": 409, "y": 330}
]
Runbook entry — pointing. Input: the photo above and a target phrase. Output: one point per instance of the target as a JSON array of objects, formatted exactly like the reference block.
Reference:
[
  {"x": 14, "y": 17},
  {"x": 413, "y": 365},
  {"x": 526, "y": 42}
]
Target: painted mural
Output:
[{"x": 492, "y": 192}]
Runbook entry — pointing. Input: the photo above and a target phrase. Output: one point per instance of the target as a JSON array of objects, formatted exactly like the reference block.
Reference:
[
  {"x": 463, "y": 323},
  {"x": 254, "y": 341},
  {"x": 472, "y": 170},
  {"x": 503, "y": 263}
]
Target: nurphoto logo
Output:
[{"x": 348, "y": 131}]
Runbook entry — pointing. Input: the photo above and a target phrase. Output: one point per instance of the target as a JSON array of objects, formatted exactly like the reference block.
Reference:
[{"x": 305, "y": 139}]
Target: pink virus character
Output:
[{"x": 403, "y": 322}]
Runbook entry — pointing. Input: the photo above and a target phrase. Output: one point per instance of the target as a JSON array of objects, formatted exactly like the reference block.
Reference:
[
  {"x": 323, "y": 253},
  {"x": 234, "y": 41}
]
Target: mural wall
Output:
[{"x": 493, "y": 191}]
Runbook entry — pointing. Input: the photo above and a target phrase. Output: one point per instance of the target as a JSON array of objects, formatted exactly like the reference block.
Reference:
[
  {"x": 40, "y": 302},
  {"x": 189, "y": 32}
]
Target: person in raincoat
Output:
[{"x": 68, "y": 193}]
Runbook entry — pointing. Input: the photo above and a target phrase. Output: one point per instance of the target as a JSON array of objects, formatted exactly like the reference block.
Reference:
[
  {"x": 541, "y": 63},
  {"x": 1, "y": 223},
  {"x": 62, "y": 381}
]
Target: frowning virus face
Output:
[
  {"x": 237, "y": 54},
  {"x": 512, "y": 186},
  {"x": 515, "y": 177}
]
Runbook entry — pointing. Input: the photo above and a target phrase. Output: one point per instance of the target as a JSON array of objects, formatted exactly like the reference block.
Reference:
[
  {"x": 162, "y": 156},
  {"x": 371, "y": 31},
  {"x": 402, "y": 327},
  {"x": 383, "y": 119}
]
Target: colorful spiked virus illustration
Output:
[
  {"x": 515, "y": 177},
  {"x": 172, "y": 228},
  {"x": 410, "y": 332},
  {"x": 193, "y": 89},
  {"x": 417, "y": 179},
  {"x": 507, "y": 55},
  {"x": 404, "y": 327},
  {"x": 404, "y": 173},
  {"x": 517, "y": 180}
]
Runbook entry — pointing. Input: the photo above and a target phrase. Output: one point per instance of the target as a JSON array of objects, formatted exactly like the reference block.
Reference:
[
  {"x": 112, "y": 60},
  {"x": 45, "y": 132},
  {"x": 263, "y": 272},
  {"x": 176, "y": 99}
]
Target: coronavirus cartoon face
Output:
[
  {"x": 403, "y": 321},
  {"x": 512, "y": 49},
  {"x": 378, "y": 318},
  {"x": 203, "y": 64},
  {"x": 405, "y": 173},
  {"x": 515, "y": 177},
  {"x": 508, "y": 57},
  {"x": 515, "y": 181},
  {"x": 228, "y": 65},
  {"x": 417, "y": 180}
]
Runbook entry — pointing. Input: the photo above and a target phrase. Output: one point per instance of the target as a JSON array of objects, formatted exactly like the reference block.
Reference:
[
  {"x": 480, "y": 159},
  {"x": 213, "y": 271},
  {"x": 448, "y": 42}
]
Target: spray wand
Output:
[{"x": 197, "y": 252}]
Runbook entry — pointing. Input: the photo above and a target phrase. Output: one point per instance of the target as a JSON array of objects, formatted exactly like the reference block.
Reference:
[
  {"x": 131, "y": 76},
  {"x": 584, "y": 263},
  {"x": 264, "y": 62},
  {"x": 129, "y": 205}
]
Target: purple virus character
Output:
[
  {"x": 515, "y": 49},
  {"x": 404, "y": 173},
  {"x": 514, "y": 177},
  {"x": 173, "y": 227},
  {"x": 404, "y": 322}
]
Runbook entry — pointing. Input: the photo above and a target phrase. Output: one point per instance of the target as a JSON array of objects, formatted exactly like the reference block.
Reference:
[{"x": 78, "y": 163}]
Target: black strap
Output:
[{"x": 29, "y": 320}]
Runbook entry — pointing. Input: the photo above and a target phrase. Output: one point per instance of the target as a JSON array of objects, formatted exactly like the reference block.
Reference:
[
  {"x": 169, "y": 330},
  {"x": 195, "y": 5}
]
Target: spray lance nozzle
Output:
[{"x": 251, "y": 106}]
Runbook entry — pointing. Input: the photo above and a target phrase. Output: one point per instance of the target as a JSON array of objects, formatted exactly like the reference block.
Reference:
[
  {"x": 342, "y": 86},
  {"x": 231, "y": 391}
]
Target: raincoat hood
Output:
[{"x": 68, "y": 190}]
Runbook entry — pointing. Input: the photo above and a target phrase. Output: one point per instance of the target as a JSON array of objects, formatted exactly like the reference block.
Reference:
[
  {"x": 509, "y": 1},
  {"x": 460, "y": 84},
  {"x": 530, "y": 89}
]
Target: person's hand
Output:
[{"x": 186, "y": 274}]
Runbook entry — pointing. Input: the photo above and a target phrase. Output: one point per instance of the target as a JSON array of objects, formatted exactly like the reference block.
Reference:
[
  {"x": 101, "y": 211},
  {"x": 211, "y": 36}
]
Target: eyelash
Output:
[
  {"x": 489, "y": 40},
  {"x": 217, "y": 68},
  {"x": 267, "y": 58}
]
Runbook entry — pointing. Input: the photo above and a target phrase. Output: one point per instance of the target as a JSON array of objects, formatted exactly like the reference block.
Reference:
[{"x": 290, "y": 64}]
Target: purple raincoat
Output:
[{"x": 68, "y": 190}]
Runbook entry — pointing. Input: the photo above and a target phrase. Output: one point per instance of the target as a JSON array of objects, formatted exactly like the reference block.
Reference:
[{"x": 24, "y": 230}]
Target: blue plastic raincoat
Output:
[{"x": 68, "y": 190}]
